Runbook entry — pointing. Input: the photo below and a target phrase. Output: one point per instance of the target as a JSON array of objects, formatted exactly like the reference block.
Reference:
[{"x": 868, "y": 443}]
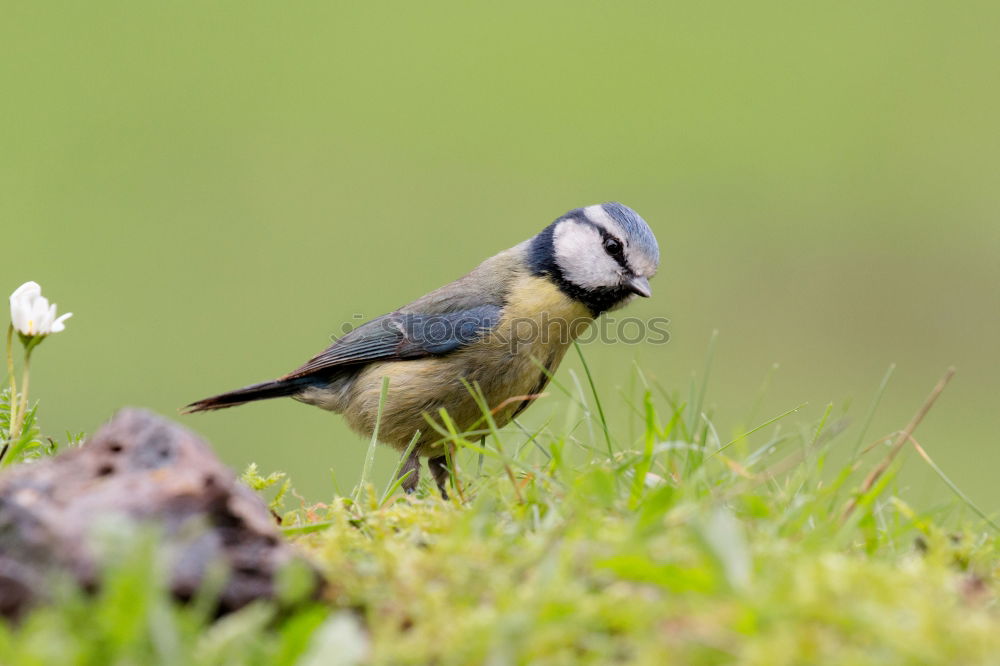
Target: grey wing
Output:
[
  {"x": 404, "y": 335},
  {"x": 440, "y": 322}
]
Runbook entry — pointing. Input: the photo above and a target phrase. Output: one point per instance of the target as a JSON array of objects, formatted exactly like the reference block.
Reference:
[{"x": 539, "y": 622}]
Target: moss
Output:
[{"x": 672, "y": 551}]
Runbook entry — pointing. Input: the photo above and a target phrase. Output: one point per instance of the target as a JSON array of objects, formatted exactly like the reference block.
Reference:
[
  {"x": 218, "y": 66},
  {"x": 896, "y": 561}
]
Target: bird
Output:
[{"x": 491, "y": 339}]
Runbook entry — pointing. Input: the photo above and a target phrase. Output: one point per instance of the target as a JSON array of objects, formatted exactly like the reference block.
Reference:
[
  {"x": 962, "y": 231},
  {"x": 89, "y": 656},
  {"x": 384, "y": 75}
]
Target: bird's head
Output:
[{"x": 601, "y": 255}]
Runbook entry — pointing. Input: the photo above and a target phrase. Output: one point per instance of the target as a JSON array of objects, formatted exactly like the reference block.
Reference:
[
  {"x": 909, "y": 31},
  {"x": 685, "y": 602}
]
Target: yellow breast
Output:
[
  {"x": 539, "y": 315},
  {"x": 539, "y": 323}
]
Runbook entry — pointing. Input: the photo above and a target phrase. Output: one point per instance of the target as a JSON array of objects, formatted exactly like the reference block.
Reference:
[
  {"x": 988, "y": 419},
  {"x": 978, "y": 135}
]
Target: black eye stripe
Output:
[{"x": 605, "y": 236}]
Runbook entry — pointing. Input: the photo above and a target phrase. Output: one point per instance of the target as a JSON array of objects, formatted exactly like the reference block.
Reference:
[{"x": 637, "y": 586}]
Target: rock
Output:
[{"x": 138, "y": 470}]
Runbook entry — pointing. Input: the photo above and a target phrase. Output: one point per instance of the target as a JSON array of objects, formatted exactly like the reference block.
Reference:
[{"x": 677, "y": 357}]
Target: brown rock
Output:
[{"x": 138, "y": 470}]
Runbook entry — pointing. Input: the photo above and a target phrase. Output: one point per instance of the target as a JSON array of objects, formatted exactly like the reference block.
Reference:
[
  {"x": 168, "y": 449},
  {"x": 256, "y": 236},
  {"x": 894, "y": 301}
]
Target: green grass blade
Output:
[
  {"x": 755, "y": 429},
  {"x": 698, "y": 403},
  {"x": 395, "y": 481},
  {"x": 597, "y": 399},
  {"x": 646, "y": 460},
  {"x": 954, "y": 486},
  {"x": 366, "y": 470},
  {"x": 871, "y": 409}
]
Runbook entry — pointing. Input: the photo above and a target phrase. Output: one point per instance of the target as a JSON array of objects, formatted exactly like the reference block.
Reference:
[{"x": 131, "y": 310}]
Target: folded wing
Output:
[{"x": 404, "y": 335}]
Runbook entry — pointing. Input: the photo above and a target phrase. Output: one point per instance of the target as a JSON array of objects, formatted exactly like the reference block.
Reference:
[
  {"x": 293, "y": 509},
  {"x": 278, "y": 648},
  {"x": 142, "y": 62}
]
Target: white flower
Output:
[{"x": 31, "y": 313}]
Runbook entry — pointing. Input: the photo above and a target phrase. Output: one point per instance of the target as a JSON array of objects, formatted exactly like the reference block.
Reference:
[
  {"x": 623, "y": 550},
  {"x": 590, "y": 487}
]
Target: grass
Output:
[{"x": 673, "y": 548}]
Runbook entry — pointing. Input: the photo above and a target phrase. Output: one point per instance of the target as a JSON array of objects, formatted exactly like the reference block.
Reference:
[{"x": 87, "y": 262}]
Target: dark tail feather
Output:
[{"x": 277, "y": 388}]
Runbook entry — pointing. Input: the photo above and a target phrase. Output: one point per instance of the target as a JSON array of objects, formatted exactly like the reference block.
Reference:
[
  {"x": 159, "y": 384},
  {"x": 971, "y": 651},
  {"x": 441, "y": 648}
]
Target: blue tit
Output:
[{"x": 493, "y": 336}]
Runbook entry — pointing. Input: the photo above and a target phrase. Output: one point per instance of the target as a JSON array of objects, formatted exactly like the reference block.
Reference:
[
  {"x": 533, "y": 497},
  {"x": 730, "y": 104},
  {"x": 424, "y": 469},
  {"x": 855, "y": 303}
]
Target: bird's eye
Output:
[{"x": 613, "y": 247}]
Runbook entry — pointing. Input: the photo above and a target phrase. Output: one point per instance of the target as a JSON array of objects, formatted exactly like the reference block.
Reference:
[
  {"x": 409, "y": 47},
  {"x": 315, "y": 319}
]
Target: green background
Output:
[{"x": 215, "y": 188}]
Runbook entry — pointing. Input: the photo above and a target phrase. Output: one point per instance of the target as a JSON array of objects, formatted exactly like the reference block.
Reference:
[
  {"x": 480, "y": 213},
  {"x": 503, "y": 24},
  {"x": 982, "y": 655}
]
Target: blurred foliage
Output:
[
  {"x": 679, "y": 551},
  {"x": 215, "y": 189},
  {"x": 27, "y": 445}
]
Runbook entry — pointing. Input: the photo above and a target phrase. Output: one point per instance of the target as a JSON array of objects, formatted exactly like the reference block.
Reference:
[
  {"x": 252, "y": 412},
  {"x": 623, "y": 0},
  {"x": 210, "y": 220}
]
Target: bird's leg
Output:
[
  {"x": 411, "y": 464},
  {"x": 440, "y": 472}
]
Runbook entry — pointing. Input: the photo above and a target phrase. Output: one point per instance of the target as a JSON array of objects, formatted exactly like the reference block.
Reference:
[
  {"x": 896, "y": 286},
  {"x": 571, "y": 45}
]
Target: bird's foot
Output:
[
  {"x": 440, "y": 472},
  {"x": 411, "y": 465}
]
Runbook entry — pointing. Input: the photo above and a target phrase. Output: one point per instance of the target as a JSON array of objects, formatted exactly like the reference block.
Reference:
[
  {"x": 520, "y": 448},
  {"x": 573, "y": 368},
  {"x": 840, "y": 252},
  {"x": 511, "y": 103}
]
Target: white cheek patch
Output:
[{"x": 580, "y": 254}]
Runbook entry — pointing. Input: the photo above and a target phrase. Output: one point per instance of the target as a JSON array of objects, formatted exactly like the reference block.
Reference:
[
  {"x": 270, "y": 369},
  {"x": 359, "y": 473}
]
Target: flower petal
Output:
[
  {"x": 58, "y": 325},
  {"x": 31, "y": 313},
  {"x": 38, "y": 316},
  {"x": 21, "y": 306},
  {"x": 19, "y": 315},
  {"x": 27, "y": 291}
]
